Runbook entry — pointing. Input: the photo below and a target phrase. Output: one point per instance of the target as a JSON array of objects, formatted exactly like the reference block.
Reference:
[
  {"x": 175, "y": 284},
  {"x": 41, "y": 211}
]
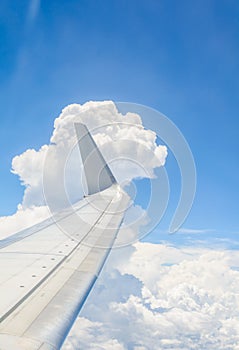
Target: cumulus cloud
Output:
[
  {"x": 131, "y": 151},
  {"x": 29, "y": 167},
  {"x": 24, "y": 217},
  {"x": 92, "y": 334},
  {"x": 162, "y": 297}
]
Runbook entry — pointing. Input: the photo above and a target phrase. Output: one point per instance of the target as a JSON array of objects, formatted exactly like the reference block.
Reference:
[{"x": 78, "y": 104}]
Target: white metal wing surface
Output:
[{"x": 48, "y": 270}]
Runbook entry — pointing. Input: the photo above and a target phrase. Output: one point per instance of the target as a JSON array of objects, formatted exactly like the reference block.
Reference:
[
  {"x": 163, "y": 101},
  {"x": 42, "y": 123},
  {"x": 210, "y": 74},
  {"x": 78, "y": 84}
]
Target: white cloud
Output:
[
  {"x": 161, "y": 297},
  {"x": 29, "y": 166},
  {"x": 131, "y": 150},
  {"x": 95, "y": 339},
  {"x": 134, "y": 219},
  {"x": 24, "y": 217},
  {"x": 194, "y": 231}
]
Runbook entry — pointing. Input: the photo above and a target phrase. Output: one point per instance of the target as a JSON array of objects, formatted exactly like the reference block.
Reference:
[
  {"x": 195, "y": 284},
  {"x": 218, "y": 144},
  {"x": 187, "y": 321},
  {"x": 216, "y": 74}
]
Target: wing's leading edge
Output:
[{"x": 47, "y": 272}]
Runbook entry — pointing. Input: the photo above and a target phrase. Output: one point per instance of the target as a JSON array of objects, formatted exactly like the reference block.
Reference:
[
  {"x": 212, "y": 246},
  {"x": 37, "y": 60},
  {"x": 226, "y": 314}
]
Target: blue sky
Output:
[{"x": 179, "y": 57}]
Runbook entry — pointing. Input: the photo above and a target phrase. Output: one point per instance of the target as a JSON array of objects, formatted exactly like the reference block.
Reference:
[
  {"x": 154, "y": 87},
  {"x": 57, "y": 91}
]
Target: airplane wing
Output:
[{"x": 48, "y": 270}]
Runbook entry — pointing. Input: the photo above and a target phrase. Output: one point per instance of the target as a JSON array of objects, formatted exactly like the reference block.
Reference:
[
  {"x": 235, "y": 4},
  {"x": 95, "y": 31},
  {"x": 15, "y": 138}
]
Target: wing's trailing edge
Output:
[{"x": 47, "y": 273}]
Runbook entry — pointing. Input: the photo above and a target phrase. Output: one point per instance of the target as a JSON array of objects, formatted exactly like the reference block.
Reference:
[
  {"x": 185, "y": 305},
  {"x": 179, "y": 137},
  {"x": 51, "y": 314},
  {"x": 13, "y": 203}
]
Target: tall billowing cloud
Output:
[{"x": 131, "y": 150}]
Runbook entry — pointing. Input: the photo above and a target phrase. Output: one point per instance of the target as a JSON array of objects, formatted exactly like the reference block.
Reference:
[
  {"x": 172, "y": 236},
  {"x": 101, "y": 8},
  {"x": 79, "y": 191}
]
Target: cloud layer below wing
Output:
[{"x": 154, "y": 296}]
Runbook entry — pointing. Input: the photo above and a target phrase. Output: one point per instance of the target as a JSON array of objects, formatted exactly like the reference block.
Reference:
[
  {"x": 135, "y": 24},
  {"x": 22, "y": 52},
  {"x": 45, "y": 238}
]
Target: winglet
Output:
[{"x": 97, "y": 172}]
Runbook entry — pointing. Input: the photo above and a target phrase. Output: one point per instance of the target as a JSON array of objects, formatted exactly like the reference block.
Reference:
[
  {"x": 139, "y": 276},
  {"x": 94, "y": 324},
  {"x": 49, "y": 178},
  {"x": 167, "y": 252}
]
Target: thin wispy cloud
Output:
[
  {"x": 33, "y": 10},
  {"x": 194, "y": 231}
]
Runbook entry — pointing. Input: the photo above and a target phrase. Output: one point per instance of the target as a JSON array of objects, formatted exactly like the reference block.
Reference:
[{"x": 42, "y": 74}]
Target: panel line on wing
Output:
[
  {"x": 14, "y": 307},
  {"x": 37, "y": 228}
]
